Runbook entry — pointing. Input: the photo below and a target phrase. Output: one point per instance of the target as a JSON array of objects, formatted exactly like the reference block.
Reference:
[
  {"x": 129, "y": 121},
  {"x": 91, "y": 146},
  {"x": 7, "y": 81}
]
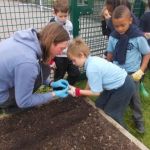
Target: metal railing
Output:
[
  {"x": 17, "y": 15},
  {"x": 22, "y": 14}
]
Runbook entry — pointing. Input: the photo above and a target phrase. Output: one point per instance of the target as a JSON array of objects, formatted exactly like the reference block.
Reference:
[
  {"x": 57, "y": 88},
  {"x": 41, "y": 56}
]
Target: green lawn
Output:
[{"x": 144, "y": 138}]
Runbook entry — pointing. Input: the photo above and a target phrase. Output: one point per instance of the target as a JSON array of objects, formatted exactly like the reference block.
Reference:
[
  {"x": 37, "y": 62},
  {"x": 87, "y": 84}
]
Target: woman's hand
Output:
[
  {"x": 61, "y": 93},
  {"x": 60, "y": 83}
]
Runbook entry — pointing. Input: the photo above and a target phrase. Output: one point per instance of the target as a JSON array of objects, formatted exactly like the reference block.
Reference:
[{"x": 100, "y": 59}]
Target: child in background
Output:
[
  {"x": 106, "y": 80},
  {"x": 110, "y": 5},
  {"x": 145, "y": 27},
  {"x": 105, "y": 16},
  {"x": 126, "y": 46},
  {"x": 63, "y": 64},
  {"x": 145, "y": 23}
]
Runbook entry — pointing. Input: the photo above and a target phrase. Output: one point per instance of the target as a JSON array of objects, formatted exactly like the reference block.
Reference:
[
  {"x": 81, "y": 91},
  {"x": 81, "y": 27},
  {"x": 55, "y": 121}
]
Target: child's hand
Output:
[
  {"x": 105, "y": 14},
  {"x": 147, "y": 35},
  {"x": 137, "y": 75},
  {"x": 59, "y": 84},
  {"x": 61, "y": 93},
  {"x": 73, "y": 91}
]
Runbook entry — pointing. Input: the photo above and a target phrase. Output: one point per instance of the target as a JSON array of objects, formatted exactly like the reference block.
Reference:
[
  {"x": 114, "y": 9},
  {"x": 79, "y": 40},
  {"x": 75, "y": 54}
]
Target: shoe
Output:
[
  {"x": 140, "y": 127},
  {"x": 12, "y": 110}
]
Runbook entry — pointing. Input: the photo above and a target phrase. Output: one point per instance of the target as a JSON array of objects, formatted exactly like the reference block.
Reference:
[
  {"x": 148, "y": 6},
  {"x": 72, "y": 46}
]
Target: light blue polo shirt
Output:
[
  {"x": 103, "y": 75},
  {"x": 136, "y": 48}
]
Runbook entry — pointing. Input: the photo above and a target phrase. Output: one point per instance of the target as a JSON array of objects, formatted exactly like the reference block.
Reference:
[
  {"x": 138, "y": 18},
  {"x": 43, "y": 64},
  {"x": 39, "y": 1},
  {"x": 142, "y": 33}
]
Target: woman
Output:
[{"x": 23, "y": 65}]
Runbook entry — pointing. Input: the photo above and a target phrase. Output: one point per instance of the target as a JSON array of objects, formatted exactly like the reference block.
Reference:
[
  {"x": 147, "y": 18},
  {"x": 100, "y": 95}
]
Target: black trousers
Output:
[{"x": 135, "y": 103}]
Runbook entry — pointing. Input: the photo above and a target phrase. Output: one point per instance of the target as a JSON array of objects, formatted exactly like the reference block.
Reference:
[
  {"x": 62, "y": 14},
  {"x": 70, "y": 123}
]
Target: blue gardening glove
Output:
[
  {"x": 62, "y": 93},
  {"x": 60, "y": 83}
]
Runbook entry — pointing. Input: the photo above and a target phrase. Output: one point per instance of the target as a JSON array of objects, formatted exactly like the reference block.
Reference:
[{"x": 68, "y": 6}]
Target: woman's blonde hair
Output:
[
  {"x": 77, "y": 46},
  {"x": 53, "y": 33}
]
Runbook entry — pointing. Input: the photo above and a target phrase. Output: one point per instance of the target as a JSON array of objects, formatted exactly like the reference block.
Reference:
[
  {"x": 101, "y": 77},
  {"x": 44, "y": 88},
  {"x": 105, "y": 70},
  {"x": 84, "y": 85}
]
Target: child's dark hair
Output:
[
  {"x": 61, "y": 6},
  {"x": 115, "y": 3},
  {"x": 121, "y": 11}
]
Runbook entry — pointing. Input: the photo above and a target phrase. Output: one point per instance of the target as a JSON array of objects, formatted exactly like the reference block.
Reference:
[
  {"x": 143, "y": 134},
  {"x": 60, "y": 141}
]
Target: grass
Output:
[{"x": 145, "y": 101}]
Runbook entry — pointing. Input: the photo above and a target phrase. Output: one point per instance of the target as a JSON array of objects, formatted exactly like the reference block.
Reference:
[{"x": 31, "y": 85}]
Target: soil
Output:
[{"x": 71, "y": 124}]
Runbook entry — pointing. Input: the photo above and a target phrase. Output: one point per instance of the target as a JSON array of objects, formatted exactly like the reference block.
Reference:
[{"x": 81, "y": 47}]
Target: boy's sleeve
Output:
[
  {"x": 110, "y": 47},
  {"x": 94, "y": 78},
  {"x": 144, "y": 48},
  {"x": 95, "y": 82}
]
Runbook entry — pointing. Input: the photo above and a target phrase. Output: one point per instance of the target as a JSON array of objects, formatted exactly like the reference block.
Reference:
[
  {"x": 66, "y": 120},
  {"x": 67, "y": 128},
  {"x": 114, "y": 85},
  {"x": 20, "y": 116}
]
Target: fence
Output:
[
  {"x": 23, "y": 14},
  {"x": 17, "y": 15},
  {"x": 87, "y": 24}
]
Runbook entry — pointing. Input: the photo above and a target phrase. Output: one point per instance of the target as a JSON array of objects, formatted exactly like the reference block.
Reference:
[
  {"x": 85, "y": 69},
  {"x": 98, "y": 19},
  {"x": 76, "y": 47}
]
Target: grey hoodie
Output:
[{"x": 19, "y": 68}]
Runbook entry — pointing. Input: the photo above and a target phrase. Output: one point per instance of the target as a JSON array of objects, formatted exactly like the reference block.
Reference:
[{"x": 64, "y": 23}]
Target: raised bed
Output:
[{"x": 73, "y": 124}]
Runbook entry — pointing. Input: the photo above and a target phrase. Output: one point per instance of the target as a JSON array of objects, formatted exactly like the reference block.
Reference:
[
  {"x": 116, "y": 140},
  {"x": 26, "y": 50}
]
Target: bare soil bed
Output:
[{"x": 69, "y": 125}]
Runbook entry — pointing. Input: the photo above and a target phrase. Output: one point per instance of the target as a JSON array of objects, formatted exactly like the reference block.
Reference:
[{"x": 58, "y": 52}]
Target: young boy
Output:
[
  {"x": 110, "y": 5},
  {"x": 126, "y": 46},
  {"x": 63, "y": 64},
  {"x": 106, "y": 80}
]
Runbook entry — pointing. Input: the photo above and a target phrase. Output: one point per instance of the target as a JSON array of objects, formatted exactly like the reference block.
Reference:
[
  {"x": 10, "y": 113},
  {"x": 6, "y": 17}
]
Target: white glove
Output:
[
  {"x": 71, "y": 91},
  {"x": 137, "y": 75}
]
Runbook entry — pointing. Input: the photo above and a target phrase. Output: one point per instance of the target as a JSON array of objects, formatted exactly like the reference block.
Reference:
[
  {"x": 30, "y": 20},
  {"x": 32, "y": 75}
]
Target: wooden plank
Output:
[{"x": 118, "y": 126}]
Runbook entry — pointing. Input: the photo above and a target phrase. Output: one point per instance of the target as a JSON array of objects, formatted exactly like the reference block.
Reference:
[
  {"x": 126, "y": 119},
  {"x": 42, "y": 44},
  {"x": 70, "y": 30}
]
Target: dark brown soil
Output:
[{"x": 69, "y": 125}]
